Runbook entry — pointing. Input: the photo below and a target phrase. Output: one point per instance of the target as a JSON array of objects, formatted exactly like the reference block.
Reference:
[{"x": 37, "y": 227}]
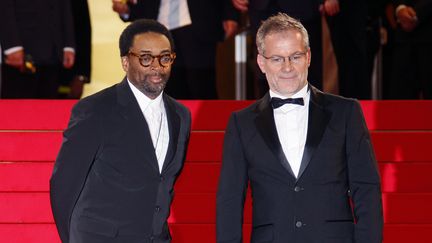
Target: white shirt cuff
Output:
[{"x": 13, "y": 49}]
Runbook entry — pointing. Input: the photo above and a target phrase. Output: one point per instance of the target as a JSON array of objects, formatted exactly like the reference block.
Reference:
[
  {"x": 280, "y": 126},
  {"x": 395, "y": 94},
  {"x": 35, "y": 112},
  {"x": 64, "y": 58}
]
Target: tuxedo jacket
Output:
[
  {"x": 338, "y": 166},
  {"x": 106, "y": 185},
  {"x": 42, "y": 27},
  {"x": 206, "y": 15}
]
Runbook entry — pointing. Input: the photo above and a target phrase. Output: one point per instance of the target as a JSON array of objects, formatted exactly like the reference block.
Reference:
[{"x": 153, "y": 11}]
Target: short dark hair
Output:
[{"x": 138, "y": 27}]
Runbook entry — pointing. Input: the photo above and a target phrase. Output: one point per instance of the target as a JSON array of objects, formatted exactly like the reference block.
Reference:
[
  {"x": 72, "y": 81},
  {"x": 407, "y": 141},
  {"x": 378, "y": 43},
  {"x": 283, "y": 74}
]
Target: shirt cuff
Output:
[
  {"x": 399, "y": 8},
  {"x": 69, "y": 49},
  {"x": 13, "y": 49}
]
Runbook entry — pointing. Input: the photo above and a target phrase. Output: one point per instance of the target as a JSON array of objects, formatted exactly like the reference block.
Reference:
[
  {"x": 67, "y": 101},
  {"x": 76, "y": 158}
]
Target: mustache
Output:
[{"x": 157, "y": 74}]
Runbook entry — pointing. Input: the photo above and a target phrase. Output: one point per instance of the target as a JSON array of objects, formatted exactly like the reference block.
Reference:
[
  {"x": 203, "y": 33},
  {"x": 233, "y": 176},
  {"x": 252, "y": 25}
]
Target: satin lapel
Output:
[
  {"x": 317, "y": 123},
  {"x": 174, "y": 129},
  {"x": 130, "y": 110},
  {"x": 267, "y": 128}
]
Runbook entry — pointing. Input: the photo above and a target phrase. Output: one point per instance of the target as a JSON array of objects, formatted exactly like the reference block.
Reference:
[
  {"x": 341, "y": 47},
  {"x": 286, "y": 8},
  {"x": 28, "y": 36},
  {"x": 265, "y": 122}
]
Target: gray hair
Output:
[{"x": 278, "y": 23}]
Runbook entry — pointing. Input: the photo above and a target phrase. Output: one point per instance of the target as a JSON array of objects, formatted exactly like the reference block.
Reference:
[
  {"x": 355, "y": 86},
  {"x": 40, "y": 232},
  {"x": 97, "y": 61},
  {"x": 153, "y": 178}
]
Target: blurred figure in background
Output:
[
  {"x": 37, "y": 39},
  {"x": 347, "y": 21},
  {"x": 412, "y": 72},
  {"x": 73, "y": 79},
  {"x": 196, "y": 26}
]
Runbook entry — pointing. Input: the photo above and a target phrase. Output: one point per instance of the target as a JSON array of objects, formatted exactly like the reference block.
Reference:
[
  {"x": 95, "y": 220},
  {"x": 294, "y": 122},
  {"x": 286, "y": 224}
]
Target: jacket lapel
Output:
[
  {"x": 174, "y": 129},
  {"x": 267, "y": 128},
  {"x": 317, "y": 123},
  {"x": 131, "y": 112}
]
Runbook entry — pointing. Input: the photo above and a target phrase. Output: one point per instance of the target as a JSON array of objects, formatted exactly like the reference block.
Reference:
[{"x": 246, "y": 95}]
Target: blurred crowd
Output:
[{"x": 46, "y": 44}]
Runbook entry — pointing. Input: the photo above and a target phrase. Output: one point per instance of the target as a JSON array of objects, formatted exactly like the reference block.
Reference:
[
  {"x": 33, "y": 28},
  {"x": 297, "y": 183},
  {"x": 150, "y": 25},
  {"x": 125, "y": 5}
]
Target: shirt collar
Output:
[{"x": 300, "y": 94}]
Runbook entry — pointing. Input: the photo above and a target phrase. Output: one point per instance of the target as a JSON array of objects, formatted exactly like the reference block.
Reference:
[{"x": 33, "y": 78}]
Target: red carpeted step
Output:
[
  {"x": 28, "y": 233},
  {"x": 395, "y": 177},
  {"x": 200, "y": 208},
  {"x": 407, "y": 208},
  {"x": 31, "y": 136},
  {"x": 25, "y": 176},
  {"x": 44, "y": 146},
  {"x": 404, "y": 233},
  {"x": 212, "y": 115},
  {"x": 54, "y": 115},
  {"x": 35, "y": 114},
  {"x": 406, "y": 177},
  {"x": 398, "y": 114},
  {"x": 198, "y": 233},
  {"x": 207, "y": 146},
  {"x": 29, "y": 146}
]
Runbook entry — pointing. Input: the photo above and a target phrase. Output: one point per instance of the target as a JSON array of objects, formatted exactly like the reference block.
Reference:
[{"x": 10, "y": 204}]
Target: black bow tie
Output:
[{"x": 278, "y": 102}]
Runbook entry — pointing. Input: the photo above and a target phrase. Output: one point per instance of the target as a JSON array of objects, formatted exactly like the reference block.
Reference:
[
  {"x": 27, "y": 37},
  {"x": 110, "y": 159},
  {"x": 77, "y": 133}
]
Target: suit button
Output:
[
  {"x": 161, "y": 178},
  {"x": 157, "y": 209},
  {"x": 297, "y": 189},
  {"x": 299, "y": 224}
]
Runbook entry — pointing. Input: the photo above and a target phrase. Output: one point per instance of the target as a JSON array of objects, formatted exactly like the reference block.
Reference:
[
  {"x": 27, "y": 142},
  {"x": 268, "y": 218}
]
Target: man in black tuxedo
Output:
[
  {"x": 412, "y": 72},
  {"x": 305, "y": 153},
  {"x": 123, "y": 150},
  {"x": 73, "y": 79},
  {"x": 307, "y": 11},
  {"x": 196, "y": 26},
  {"x": 37, "y": 38}
]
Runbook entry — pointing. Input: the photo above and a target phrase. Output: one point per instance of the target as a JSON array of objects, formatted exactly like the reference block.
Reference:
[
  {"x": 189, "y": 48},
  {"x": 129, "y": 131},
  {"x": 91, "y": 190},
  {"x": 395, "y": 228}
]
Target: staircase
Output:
[{"x": 31, "y": 134}]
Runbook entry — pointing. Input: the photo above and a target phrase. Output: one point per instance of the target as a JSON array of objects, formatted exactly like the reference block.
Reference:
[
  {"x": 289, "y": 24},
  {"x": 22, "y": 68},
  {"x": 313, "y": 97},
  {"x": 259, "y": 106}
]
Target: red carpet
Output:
[{"x": 30, "y": 136}]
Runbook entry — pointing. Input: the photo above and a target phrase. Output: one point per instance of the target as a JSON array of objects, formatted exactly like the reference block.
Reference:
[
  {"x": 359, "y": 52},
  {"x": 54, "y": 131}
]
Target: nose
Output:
[
  {"x": 155, "y": 63},
  {"x": 287, "y": 65}
]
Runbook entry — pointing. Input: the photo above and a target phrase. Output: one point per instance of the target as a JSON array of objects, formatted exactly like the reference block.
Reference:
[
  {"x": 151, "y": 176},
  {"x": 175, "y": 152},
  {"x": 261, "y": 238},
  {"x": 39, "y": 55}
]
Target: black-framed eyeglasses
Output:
[
  {"x": 295, "y": 58},
  {"x": 147, "y": 59}
]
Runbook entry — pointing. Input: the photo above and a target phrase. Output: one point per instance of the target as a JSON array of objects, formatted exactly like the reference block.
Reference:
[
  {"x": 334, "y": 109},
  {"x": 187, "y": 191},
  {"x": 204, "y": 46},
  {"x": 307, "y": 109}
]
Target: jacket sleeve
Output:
[
  {"x": 424, "y": 11},
  {"x": 68, "y": 24},
  {"x": 77, "y": 153},
  {"x": 364, "y": 179},
  {"x": 9, "y": 33},
  {"x": 232, "y": 187},
  {"x": 230, "y": 13}
]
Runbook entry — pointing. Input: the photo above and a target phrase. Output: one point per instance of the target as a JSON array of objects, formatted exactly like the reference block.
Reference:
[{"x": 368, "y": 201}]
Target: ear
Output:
[
  {"x": 125, "y": 63},
  {"x": 309, "y": 57},
  {"x": 260, "y": 62}
]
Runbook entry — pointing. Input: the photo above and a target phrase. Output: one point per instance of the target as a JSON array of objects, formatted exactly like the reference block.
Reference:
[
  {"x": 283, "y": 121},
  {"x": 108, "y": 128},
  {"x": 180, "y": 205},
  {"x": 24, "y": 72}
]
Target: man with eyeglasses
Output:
[
  {"x": 306, "y": 155},
  {"x": 124, "y": 147}
]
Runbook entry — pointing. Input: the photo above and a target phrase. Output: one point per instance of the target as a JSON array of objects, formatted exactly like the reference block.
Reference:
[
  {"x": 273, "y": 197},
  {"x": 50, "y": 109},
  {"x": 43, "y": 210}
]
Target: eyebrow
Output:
[{"x": 293, "y": 54}]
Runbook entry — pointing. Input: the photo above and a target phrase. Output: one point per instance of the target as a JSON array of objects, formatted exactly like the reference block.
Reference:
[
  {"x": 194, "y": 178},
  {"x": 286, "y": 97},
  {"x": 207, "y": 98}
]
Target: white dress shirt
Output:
[
  {"x": 291, "y": 124},
  {"x": 155, "y": 115},
  {"x": 174, "y": 14}
]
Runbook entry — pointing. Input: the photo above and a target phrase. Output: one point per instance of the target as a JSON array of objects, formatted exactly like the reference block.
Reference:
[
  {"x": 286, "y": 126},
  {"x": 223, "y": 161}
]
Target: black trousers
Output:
[
  {"x": 43, "y": 84},
  {"x": 348, "y": 35},
  {"x": 411, "y": 71},
  {"x": 193, "y": 74}
]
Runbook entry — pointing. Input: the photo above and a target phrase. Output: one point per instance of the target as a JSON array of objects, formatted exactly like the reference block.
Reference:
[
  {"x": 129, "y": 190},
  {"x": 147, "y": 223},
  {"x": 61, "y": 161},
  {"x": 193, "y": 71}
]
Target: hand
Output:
[
  {"x": 120, "y": 6},
  {"x": 407, "y": 18},
  {"x": 68, "y": 59},
  {"x": 241, "y": 5},
  {"x": 16, "y": 59},
  {"x": 330, "y": 7},
  {"x": 230, "y": 28},
  {"x": 76, "y": 87}
]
